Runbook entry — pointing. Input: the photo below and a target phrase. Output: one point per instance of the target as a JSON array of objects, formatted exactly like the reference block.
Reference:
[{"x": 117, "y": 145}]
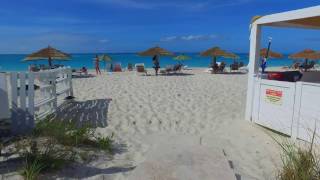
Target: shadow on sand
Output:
[
  {"x": 91, "y": 112},
  {"x": 177, "y": 74},
  {"x": 232, "y": 73},
  {"x": 80, "y": 171},
  {"x": 83, "y": 76}
]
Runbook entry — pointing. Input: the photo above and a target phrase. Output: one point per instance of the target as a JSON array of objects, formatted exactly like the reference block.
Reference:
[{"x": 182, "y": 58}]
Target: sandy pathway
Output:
[{"x": 204, "y": 106}]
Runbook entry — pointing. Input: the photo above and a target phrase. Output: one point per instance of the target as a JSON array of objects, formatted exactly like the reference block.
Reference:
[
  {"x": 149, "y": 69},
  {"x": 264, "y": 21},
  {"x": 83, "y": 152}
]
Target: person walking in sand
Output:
[
  {"x": 97, "y": 65},
  {"x": 156, "y": 64}
]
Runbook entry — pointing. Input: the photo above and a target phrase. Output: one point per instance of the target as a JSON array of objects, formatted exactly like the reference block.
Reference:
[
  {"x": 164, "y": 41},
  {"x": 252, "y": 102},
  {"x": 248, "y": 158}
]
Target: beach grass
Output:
[
  {"x": 41, "y": 155},
  {"x": 53, "y": 144},
  {"x": 69, "y": 134},
  {"x": 31, "y": 170},
  {"x": 299, "y": 163}
]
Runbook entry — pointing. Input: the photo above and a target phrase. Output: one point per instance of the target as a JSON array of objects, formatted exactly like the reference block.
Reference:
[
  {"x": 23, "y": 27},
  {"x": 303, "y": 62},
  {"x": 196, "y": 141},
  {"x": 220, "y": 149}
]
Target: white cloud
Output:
[
  {"x": 189, "y": 38},
  {"x": 178, "y": 4},
  {"x": 104, "y": 41}
]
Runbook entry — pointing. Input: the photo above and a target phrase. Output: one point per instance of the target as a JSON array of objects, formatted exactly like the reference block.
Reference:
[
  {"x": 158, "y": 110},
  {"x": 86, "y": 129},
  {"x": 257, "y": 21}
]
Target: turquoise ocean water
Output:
[{"x": 13, "y": 62}]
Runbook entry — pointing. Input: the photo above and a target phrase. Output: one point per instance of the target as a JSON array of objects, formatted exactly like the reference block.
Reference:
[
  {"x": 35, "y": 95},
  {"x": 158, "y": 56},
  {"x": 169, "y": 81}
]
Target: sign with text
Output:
[{"x": 274, "y": 96}]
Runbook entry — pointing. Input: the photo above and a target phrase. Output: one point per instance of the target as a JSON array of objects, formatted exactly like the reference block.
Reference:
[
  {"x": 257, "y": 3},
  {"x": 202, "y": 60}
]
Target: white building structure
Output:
[{"x": 292, "y": 108}]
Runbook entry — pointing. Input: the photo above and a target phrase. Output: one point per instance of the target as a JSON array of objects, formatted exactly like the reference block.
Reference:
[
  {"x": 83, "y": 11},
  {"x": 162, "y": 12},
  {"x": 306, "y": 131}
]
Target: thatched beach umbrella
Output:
[
  {"x": 307, "y": 54},
  {"x": 271, "y": 54},
  {"x": 156, "y": 51},
  {"x": 49, "y": 54},
  {"x": 105, "y": 58},
  {"x": 182, "y": 57},
  {"x": 216, "y": 52}
]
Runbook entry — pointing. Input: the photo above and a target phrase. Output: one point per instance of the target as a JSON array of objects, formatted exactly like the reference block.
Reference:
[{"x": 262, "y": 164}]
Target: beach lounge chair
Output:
[
  {"x": 141, "y": 69},
  {"x": 186, "y": 68},
  {"x": 130, "y": 67},
  {"x": 173, "y": 69},
  {"x": 310, "y": 66},
  {"x": 117, "y": 68},
  {"x": 34, "y": 68},
  {"x": 215, "y": 68},
  {"x": 307, "y": 66},
  {"x": 83, "y": 72},
  {"x": 295, "y": 65},
  {"x": 177, "y": 68},
  {"x": 221, "y": 67},
  {"x": 234, "y": 67},
  {"x": 244, "y": 69}
]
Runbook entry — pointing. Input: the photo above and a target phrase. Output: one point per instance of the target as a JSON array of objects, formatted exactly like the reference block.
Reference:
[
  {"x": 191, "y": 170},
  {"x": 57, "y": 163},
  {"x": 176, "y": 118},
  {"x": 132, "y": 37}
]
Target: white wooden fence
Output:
[
  {"x": 33, "y": 95},
  {"x": 288, "y": 107}
]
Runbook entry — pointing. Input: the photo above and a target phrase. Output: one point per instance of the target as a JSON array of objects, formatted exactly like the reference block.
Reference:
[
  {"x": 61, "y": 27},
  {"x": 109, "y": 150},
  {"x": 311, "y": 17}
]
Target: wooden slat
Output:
[
  {"x": 63, "y": 91},
  {"x": 14, "y": 90},
  {"x": 69, "y": 71},
  {"x": 31, "y": 94},
  {"x": 44, "y": 102},
  {"x": 22, "y": 91},
  {"x": 4, "y": 106}
]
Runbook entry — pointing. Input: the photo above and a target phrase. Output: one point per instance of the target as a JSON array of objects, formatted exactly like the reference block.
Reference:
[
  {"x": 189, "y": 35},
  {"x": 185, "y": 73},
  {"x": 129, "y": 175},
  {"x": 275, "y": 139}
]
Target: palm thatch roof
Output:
[
  {"x": 156, "y": 51},
  {"x": 48, "y": 53},
  {"x": 271, "y": 54},
  {"x": 182, "y": 57},
  {"x": 105, "y": 58},
  {"x": 217, "y": 52},
  {"x": 306, "y": 54},
  {"x": 232, "y": 55}
]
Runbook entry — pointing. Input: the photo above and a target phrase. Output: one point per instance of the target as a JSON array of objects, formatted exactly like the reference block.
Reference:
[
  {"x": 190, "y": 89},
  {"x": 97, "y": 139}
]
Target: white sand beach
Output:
[{"x": 177, "y": 116}]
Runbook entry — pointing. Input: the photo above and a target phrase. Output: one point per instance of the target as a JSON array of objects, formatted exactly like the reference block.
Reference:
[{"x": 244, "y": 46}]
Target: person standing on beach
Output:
[
  {"x": 156, "y": 64},
  {"x": 97, "y": 64}
]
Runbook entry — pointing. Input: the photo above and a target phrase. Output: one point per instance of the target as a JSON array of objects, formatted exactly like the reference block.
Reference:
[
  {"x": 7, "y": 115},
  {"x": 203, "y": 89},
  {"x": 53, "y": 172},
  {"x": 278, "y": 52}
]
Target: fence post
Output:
[{"x": 4, "y": 105}]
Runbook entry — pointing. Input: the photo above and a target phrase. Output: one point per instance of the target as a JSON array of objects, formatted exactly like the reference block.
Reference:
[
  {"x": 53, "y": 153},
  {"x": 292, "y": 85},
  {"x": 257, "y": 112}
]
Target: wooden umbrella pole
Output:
[
  {"x": 306, "y": 65},
  {"x": 50, "y": 62},
  {"x": 214, "y": 60}
]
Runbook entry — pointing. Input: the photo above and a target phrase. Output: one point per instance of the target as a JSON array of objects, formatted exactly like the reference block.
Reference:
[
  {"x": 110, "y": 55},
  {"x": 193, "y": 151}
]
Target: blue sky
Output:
[{"x": 134, "y": 25}]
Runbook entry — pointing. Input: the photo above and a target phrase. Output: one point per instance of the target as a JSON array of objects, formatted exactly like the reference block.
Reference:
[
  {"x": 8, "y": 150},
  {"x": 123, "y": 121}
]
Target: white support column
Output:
[{"x": 255, "y": 38}]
